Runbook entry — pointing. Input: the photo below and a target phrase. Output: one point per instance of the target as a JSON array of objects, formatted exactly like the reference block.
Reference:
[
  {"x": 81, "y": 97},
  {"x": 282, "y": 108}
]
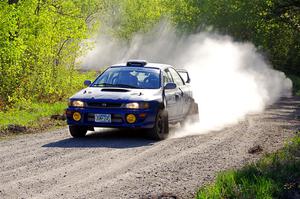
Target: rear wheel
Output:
[
  {"x": 160, "y": 130},
  {"x": 194, "y": 113},
  {"x": 192, "y": 116},
  {"x": 77, "y": 131}
]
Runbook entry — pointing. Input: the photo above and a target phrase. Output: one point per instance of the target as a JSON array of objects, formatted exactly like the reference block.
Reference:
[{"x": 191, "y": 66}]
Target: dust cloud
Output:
[{"x": 229, "y": 79}]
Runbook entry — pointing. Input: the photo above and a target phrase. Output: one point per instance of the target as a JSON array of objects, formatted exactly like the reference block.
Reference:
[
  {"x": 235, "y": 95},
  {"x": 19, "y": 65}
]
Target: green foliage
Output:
[
  {"x": 259, "y": 22},
  {"x": 39, "y": 43},
  {"x": 274, "y": 176},
  {"x": 296, "y": 84},
  {"x": 128, "y": 17},
  {"x": 272, "y": 25},
  {"x": 132, "y": 16},
  {"x": 27, "y": 113},
  {"x": 41, "y": 39},
  {"x": 68, "y": 82}
]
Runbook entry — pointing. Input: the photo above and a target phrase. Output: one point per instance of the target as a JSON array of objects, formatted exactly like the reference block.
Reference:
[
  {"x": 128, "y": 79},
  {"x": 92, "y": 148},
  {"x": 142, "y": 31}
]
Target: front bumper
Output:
[{"x": 144, "y": 118}]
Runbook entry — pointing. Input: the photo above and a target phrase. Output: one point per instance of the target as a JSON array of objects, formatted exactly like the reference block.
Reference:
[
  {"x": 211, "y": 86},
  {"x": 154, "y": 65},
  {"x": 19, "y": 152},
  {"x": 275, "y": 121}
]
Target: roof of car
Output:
[{"x": 145, "y": 64}]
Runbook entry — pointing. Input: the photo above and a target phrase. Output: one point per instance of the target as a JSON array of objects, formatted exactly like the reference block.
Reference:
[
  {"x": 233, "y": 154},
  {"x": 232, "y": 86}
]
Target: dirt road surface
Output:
[{"x": 111, "y": 164}]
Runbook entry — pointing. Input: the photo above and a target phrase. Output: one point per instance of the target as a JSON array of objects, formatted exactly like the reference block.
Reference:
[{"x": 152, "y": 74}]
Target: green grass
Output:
[
  {"x": 30, "y": 115},
  {"x": 276, "y": 175},
  {"x": 25, "y": 112},
  {"x": 34, "y": 113}
]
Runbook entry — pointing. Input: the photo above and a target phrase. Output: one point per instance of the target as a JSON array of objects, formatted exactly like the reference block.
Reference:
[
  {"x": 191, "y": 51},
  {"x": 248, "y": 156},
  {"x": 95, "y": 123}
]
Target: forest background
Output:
[{"x": 41, "y": 41}]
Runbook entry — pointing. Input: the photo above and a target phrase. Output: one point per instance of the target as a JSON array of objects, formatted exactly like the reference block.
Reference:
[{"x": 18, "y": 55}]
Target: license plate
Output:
[{"x": 103, "y": 118}]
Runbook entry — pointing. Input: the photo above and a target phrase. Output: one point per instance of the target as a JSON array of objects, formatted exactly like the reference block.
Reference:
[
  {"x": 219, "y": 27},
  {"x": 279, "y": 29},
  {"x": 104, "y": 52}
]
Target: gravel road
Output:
[{"x": 114, "y": 164}]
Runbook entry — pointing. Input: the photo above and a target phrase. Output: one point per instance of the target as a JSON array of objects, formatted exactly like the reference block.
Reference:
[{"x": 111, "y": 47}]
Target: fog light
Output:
[
  {"x": 131, "y": 118},
  {"x": 76, "y": 116}
]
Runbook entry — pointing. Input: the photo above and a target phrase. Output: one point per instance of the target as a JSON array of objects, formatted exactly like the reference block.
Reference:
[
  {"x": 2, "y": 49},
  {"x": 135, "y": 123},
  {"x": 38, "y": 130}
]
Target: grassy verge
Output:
[
  {"x": 276, "y": 175},
  {"x": 28, "y": 116},
  {"x": 32, "y": 116}
]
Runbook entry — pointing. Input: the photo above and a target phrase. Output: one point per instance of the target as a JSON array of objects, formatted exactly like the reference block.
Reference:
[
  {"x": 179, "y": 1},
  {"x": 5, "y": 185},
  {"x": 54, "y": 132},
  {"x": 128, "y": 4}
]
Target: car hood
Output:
[{"x": 119, "y": 94}]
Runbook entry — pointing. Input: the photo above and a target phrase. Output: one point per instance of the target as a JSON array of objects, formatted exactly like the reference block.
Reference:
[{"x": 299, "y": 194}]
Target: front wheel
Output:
[
  {"x": 77, "y": 131},
  {"x": 160, "y": 131}
]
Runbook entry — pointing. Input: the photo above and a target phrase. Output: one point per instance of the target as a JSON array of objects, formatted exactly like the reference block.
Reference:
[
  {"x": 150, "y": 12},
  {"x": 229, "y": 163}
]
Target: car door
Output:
[
  {"x": 169, "y": 94},
  {"x": 177, "y": 94},
  {"x": 187, "y": 89},
  {"x": 182, "y": 94}
]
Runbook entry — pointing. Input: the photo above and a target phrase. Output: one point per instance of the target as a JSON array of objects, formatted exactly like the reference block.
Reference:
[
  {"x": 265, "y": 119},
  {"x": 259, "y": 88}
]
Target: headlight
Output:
[
  {"x": 136, "y": 105},
  {"x": 76, "y": 103}
]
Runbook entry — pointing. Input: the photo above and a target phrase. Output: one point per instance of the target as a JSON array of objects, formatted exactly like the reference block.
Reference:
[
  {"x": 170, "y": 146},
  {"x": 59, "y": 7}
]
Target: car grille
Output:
[{"x": 103, "y": 105}]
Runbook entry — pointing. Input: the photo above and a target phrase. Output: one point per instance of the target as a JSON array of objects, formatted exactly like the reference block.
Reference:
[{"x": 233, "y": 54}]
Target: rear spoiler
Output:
[{"x": 184, "y": 75}]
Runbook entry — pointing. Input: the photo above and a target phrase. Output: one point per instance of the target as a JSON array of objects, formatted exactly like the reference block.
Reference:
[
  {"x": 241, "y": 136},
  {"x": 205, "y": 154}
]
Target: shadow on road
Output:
[
  {"x": 286, "y": 109},
  {"x": 105, "y": 138}
]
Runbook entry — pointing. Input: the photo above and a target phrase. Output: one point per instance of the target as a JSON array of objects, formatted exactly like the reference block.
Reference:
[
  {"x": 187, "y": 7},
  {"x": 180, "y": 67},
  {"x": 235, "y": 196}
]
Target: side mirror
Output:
[
  {"x": 87, "y": 82},
  {"x": 170, "y": 86}
]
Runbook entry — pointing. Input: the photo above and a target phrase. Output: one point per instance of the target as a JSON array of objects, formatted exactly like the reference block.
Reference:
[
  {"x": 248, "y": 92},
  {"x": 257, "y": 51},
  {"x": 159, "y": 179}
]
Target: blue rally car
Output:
[{"x": 136, "y": 94}]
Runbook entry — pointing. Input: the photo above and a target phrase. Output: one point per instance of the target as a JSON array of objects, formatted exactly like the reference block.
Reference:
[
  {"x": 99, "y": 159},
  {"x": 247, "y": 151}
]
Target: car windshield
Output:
[{"x": 129, "y": 77}]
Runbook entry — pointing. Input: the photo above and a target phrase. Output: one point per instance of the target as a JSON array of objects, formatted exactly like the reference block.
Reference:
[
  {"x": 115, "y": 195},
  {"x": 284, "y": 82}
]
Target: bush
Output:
[
  {"x": 29, "y": 111},
  {"x": 296, "y": 84}
]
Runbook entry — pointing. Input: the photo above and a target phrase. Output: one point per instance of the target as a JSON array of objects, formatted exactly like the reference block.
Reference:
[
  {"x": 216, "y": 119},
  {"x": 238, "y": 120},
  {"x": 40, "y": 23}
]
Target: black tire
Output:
[
  {"x": 183, "y": 122},
  {"x": 160, "y": 131},
  {"x": 195, "y": 113},
  {"x": 77, "y": 131},
  {"x": 192, "y": 115}
]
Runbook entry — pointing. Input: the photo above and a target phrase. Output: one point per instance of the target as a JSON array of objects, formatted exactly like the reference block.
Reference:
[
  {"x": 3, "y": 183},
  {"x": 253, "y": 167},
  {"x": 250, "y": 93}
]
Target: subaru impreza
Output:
[{"x": 134, "y": 95}]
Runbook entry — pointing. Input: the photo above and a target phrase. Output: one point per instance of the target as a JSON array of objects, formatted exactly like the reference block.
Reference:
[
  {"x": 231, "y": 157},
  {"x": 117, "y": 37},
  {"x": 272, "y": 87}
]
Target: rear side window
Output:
[
  {"x": 167, "y": 77},
  {"x": 184, "y": 76},
  {"x": 176, "y": 77}
]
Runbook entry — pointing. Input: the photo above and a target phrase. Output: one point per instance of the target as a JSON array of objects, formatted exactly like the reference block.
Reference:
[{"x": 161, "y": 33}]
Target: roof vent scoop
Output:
[{"x": 140, "y": 63}]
